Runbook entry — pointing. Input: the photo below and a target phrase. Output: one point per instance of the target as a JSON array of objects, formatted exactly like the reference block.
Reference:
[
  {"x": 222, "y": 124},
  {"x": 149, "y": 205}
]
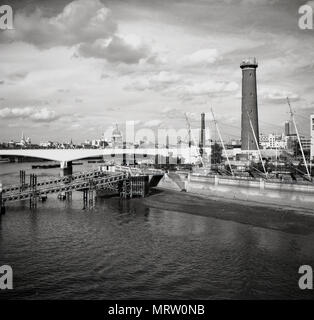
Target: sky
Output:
[{"x": 73, "y": 69}]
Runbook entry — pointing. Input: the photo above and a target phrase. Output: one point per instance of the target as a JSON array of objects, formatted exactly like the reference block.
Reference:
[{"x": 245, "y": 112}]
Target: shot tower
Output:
[{"x": 249, "y": 105}]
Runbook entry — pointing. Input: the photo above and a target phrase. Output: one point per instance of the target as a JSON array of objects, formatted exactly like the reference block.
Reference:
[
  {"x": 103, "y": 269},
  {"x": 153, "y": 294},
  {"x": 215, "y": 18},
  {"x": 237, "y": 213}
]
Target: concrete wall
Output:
[{"x": 267, "y": 193}]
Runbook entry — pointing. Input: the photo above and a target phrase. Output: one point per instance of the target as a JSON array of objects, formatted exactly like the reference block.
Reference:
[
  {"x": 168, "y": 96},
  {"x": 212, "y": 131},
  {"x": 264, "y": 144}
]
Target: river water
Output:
[{"x": 157, "y": 247}]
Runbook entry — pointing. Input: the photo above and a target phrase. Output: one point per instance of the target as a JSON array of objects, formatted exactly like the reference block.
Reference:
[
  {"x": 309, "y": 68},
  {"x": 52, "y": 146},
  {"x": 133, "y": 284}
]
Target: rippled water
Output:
[{"x": 139, "y": 249}]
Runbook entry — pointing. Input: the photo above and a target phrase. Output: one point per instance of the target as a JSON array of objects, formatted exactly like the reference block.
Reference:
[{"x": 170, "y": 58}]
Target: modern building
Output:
[
  {"x": 264, "y": 141},
  {"x": 312, "y": 137},
  {"x": 292, "y": 142},
  {"x": 306, "y": 143},
  {"x": 273, "y": 141},
  {"x": 249, "y": 121}
]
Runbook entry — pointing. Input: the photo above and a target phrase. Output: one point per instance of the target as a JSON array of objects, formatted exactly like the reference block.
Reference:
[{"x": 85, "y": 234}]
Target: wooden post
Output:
[
  {"x": 33, "y": 196},
  {"x": 68, "y": 194},
  {"x": 85, "y": 198},
  {"x": 22, "y": 179}
]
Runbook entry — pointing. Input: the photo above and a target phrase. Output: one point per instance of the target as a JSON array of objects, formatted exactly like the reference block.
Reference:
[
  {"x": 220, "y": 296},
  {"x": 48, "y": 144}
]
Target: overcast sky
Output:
[{"x": 74, "y": 69}]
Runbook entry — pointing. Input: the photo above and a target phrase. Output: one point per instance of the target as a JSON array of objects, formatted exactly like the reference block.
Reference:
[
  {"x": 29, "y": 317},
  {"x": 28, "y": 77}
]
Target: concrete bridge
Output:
[{"x": 66, "y": 156}]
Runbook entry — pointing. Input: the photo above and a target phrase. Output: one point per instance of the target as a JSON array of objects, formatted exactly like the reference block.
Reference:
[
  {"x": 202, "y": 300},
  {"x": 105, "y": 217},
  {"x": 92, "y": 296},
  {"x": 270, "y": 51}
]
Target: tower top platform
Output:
[{"x": 249, "y": 63}]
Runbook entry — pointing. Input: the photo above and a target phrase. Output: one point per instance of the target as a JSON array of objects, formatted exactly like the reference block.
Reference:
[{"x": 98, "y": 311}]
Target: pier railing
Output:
[
  {"x": 53, "y": 181},
  {"x": 61, "y": 186}
]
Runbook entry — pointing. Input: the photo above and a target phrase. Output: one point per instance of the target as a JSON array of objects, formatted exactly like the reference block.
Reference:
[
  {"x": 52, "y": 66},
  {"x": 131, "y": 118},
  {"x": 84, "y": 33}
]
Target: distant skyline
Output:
[{"x": 72, "y": 69}]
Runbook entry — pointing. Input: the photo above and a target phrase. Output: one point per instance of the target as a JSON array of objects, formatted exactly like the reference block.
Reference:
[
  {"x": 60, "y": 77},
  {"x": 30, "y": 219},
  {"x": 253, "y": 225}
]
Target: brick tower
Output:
[{"x": 249, "y": 104}]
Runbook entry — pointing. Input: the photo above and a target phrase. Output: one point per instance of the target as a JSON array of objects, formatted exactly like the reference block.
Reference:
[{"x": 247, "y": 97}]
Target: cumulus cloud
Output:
[
  {"x": 80, "y": 21},
  {"x": 31, "y": 113},
  {"x": 202, "y": 57},
  {"x": 128, "y": 49},
  {"x": 87, "y": 24}
]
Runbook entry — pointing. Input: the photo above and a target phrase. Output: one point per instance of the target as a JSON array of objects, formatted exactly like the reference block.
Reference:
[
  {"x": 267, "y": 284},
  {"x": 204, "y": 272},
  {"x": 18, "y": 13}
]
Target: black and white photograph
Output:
[{"x": 156, "y": 150}]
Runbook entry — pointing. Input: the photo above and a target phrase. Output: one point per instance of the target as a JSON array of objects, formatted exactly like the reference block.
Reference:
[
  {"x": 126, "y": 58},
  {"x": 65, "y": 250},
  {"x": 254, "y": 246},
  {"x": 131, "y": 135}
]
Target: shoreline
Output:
[
  {"x": 251, "y": 203},
  {"x": 277, "y": 218}
]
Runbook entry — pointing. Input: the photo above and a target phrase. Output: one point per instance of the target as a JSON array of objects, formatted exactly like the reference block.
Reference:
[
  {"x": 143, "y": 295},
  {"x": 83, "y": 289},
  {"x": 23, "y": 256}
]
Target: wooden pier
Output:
[{"x": 124, "y": 182}]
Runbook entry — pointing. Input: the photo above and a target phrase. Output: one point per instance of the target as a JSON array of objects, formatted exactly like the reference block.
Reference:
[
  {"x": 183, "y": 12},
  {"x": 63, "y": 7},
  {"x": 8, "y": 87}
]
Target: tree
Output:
[
  {"x": 297, "y": 150},
  {"x": 216, "y": 153}
]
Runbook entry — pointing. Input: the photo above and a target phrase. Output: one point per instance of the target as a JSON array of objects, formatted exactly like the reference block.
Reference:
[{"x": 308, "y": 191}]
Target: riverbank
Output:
[{"x": 282, "y": 218}]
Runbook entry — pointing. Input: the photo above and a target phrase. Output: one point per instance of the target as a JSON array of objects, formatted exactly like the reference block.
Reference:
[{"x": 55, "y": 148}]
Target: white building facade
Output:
[{"x": 273, "y": 141}]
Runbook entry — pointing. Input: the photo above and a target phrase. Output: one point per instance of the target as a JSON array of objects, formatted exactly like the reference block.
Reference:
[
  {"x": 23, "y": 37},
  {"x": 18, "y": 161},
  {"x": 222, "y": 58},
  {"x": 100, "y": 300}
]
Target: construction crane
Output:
[
  {"x": 189, "y": 129},
  {"x": 297, "y": 132},
  {"x": 256, "y": 142},
  {"x": 221, "y": 141},
  {"x": 191, "y": 136}
]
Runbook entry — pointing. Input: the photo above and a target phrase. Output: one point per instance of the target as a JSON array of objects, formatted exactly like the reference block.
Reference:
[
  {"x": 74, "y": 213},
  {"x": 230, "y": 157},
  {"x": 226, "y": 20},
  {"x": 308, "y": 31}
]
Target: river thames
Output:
[{"x": 140, "y": 249}]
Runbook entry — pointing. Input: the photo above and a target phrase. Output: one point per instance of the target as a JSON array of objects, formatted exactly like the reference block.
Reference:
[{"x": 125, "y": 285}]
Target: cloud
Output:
[
  {"x": 310, "y": 3},
  {"x": 31, "y": 113},
  {"x": 157, "y": 81},
  {"x": 277, "y": 95},
  {"x": 40, "y": 59},
  {"x": 87, "y": 24},
  {"x": 258, "y": 2},
  {"x": 173, "y": 84},
  {"x": 173, "y": 113},
  {"x": 208, "y": 87},
  {"x": 80, "y": 21},
  {"x": 74, "y": 126},
  {"x": 152, "y": 123},
  {"x": 44, "y": 115},
  {"x": 203, "y": 57},
  {"x": 127, "y": 49}
]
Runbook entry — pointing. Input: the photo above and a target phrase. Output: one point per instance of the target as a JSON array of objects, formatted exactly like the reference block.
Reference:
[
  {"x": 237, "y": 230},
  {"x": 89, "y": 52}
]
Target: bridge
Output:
[
  {"x": 66, "y": 156},
  {"x": 124, "y": 181}
]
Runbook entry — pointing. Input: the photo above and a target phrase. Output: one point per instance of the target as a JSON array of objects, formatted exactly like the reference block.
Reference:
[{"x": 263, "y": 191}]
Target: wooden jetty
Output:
[{"x": 123, "y": 181}]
